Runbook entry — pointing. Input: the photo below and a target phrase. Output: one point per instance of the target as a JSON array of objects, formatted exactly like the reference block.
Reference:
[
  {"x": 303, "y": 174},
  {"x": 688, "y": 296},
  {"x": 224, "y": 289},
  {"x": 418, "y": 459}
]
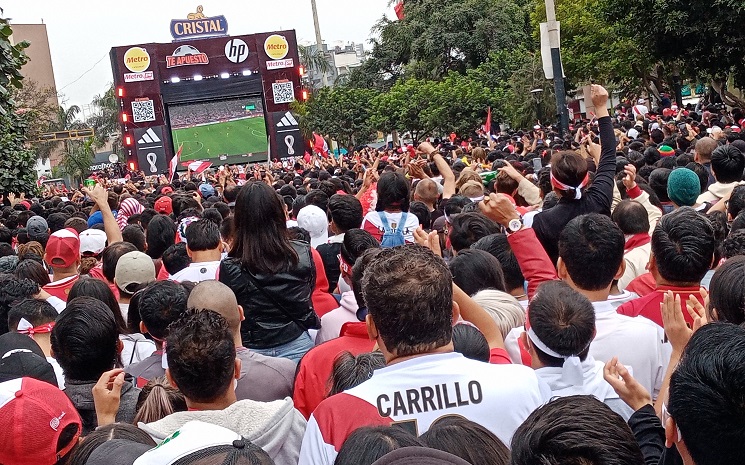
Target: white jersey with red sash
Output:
[{"x": 414, "y": 393}]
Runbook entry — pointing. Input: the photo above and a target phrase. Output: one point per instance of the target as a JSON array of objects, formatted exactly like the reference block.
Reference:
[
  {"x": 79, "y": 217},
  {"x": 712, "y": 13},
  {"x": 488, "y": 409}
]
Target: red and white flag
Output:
[
  {"x": 197, "y": 167},
  {"x": 174, "y": 162},
  {"x": 40, "y": 181},
  {"x": 487, "y": 126},
  {"x": 399, "y": 9},
  {"x": 320, "y": 145}
]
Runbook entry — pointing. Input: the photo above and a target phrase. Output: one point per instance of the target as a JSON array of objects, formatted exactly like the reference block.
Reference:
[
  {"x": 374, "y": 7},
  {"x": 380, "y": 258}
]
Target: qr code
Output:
[
  {"x": 283, "y": 92},
  {"x": 142, "y": 111}
]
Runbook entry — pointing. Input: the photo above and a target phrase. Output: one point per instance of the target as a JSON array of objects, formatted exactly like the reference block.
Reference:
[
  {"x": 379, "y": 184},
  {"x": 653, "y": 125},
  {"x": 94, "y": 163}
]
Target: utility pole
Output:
[
  {"x": 553, "y": 39},
  {"x": 319, "y": 42}
]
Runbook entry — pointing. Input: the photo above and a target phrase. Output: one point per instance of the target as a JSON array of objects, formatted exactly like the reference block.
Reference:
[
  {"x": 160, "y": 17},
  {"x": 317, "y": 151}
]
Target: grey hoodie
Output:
[{"x": 274, "y": 426}]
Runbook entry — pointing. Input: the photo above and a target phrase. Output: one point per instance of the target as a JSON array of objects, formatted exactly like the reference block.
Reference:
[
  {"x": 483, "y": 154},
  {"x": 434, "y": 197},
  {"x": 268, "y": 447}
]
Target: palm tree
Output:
[
  {"x": 314, "y": 61},
  {"x": 105, "y": 122}
]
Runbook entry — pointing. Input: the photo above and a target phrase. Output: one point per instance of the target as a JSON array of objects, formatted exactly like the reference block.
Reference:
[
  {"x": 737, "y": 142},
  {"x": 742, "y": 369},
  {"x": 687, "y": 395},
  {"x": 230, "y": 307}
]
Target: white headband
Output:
[{"x": 571, "y": 371}]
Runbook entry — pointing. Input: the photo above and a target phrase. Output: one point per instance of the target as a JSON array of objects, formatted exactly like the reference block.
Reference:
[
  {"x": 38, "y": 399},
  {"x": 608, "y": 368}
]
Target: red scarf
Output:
[{"x": 637, "y": 240}]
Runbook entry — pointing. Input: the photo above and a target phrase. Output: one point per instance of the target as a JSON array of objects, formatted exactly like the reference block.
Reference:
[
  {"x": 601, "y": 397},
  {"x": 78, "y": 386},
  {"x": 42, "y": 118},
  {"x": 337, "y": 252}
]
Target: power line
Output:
[{"x": 82, "y": 75}]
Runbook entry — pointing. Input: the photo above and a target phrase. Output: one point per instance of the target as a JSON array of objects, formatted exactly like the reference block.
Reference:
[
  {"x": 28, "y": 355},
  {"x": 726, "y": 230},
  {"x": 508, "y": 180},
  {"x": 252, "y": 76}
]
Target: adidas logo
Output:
[
  {"x": 149, "y": 137},
  {"x": 287, "y": 121}
]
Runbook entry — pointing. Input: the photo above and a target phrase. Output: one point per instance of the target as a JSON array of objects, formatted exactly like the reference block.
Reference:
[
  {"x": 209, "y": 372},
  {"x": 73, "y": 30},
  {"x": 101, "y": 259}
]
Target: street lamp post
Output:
[
  {"x": 553, "y": 39},
  {"x": 319, "y": 42}
]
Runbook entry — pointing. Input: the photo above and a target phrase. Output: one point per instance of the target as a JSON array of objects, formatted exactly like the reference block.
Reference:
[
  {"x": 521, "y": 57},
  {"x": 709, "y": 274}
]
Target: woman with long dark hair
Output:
[{"x": 272, "y": 276}]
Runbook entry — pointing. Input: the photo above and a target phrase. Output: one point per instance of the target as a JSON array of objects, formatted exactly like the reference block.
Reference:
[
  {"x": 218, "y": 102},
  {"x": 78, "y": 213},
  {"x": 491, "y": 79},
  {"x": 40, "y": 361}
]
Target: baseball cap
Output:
[
  {"x": 206, "y": 190},
  {"x": 166, "y": 190},
  {"x": 164, "y": 205},
  {"x": 117, "y": 452},
  {"x": 34, "y": 415},
  {"x": 21, "y": 356},
  {"x": 315, "y": 221},
  {"x": 133, "y": 269},
  {"x": 92, "y": 241},
  {"x": 416, "y": 455},
  {"x": 63, "y": 248},
  {"x": 197, "y": 442},
  {"x": 36, "y": 225}
]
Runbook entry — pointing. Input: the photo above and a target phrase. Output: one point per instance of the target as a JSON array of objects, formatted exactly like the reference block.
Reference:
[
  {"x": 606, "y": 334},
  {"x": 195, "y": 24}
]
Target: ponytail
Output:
[{"x": 157, "y": 400}]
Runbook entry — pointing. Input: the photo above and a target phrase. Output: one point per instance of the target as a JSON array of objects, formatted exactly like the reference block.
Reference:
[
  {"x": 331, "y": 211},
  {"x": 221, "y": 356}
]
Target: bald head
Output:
[
  {"x": 427, "y": 192},
  {"x": 704, "y": 148},
  {"x": 216, "y": 296}
]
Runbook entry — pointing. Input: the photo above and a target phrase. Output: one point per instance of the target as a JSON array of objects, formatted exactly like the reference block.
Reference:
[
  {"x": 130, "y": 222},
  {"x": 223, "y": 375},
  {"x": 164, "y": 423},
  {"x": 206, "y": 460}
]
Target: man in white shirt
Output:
[
  {"x": 409, "y": 295},
  {"x": 640, "y": 109},
  {"x": 204, "y": 247}
]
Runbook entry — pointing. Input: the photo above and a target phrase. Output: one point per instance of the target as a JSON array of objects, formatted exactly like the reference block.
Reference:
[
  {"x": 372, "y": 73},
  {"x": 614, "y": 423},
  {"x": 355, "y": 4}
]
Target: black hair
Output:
[
  {"x": 85, "y": 339},
  {"x": 658, "y": 182},
  {"x": 162, "y": 303},
  {"x": 201, "y": 355},
  {"x": 471, "y": 343},
  {"x": 56, "y": 221},
  {"x": 175, "y": 258},
  {"x": 33, "y": 270},
  {"x": 683, "y": 245},
  {"x": 213, "y": 215},
  {"x": 498, "y": 246},
  {"x": 706, "y": 392},
  {"x": 455, "y": 205},
  {"x": 631, "y": 217},
  {"x": 474, "y": 270},
  {"x": 727, "y": 164},
  {"x": 467, "y": 228},
  {"x": 161, "y": 234},
  {"x": 80, "y": 454},
  {"x": 111, "y": 255},
  {"x": 421, "y": 211},
  {"x": 92, "y": 287},
  {"x": 261, "y": 240},
  {"x": 591, "y": 247},
  {"x": 6, "y": 235},
  {"x": 703, "y": 175},
  {"x": 736, "y": 201},
  {"x": 223, "y": 208},
  {"x": 575, "y": 429},
  {"x": 393, "y": 192},
  {"x": 12, "y": 290},
  {"x": 318, "y": 198},
  {"x": 466, "y": 439},
  {"x": 727, "y": 291},
  {"x": 135, "y": 235},
  {"x": 349, "y": 371},
  {"x": 563, "y": 319},
  {"x": 369, "y": 443},
  {"x": 409, "y": 295},
  {"x": 146, "y": 216},
  {"x": 203, "y": 235},
  {"x": 346, "y": 211},
  {"x": 37, "y": 312}
]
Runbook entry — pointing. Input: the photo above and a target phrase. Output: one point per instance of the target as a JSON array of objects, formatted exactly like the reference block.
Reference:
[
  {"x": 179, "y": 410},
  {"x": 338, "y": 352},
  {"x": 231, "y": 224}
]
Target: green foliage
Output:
[
  {"x": 17, "y": 172},
  {"x": 519, "y": 104},
  {"x": 12, "y": 58},
  {"x": 405, "y": 107},
  {"x": 106, "y": 122},
  {"x": 41, "y": 107},
  {"x": 342, "y": 112},
  {"x": 77, "y": 159}
]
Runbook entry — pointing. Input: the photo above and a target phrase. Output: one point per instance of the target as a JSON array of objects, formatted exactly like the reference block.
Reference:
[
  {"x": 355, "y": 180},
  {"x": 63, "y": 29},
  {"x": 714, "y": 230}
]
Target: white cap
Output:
[
  {"x": 315, "y": 221},
  {"x": 92, "y": 241},
  {"x": 192, "y": 437}
]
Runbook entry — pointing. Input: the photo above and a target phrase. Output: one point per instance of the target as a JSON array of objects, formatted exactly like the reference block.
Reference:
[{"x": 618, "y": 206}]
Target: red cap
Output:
[
  {"x": 164, "y": 205},
  {"x": 166, "y": 190},
  {"x": 63, "y": 248},
  {"x": 33, "y": 415}
]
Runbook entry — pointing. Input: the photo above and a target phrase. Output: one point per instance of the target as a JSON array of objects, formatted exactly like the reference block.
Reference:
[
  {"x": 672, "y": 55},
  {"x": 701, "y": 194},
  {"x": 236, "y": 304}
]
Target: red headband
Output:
[
  {"x": 24, "y": 327},
  {"x": 565, "y": 187}
]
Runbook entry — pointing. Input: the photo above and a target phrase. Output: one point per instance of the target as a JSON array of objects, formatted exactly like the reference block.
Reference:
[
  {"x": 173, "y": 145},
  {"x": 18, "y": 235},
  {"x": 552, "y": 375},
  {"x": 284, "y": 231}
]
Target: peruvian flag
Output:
[
  {"x": 399, "y": 9},
  {"x": 197, "y": 167},
  {"x": 174, "y": 162},
  {"x": 40, "y": 181},
  {"x": 320, "y": 145}
]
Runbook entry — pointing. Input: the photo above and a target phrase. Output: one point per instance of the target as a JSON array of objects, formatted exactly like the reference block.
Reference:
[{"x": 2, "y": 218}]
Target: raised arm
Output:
[
  {"x": 601, "y": 189},
  {"x": 98, "y": 194},
  {"x": 448, "y": 185}
]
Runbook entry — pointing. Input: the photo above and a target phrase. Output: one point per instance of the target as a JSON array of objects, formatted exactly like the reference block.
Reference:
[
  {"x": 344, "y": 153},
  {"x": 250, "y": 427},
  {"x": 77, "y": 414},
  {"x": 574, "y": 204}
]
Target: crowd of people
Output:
[
  {"x": 520, "y": 299},
  {"x": 186, "y": 116}
]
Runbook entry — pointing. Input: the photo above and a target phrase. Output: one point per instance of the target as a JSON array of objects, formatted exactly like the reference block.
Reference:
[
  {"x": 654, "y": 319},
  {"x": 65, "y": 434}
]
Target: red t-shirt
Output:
[
  {"x": 649, "y": 305},
  {"x": 61, "y": 288},
  {"x": 311, "y": 382}
]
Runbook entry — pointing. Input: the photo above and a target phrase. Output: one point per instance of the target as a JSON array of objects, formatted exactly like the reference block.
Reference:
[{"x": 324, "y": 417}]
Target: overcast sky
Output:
[{"x": 82, "y": 32}]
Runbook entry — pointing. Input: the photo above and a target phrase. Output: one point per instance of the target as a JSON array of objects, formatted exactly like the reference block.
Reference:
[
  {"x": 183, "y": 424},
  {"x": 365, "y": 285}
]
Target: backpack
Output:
[{"x": 393, "y": 237}]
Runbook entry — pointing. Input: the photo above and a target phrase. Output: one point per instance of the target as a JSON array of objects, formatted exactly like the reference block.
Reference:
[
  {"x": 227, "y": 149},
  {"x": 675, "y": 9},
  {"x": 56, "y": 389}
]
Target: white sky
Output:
[{"x": 81, "y": 32}]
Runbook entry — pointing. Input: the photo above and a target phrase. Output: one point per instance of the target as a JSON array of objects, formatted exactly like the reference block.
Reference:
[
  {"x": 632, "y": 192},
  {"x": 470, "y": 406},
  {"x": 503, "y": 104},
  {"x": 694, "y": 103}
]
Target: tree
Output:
[
  {"x": 459, "y": 104},
  {"x": 439, "y": 36},
  {"x": 77, "y": 159},
  {"x": 342, "y": 112},
  {"x": 703, "y": 39},
  {"x": 105, "y": 122},
  {"x": 314, "y": 61},
  {"x": 41, "y": 107},
  {"x": 16, "y": 161},
  {"x": 519, "y": 104},
  {"x": 405, "y": 108}
]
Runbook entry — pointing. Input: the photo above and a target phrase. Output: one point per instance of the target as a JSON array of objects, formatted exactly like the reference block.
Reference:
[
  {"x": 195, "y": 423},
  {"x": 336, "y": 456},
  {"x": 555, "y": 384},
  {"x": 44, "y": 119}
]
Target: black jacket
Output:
[
  {"x": 596, "y": 199},
  {"x": 269, "y": 324}
]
